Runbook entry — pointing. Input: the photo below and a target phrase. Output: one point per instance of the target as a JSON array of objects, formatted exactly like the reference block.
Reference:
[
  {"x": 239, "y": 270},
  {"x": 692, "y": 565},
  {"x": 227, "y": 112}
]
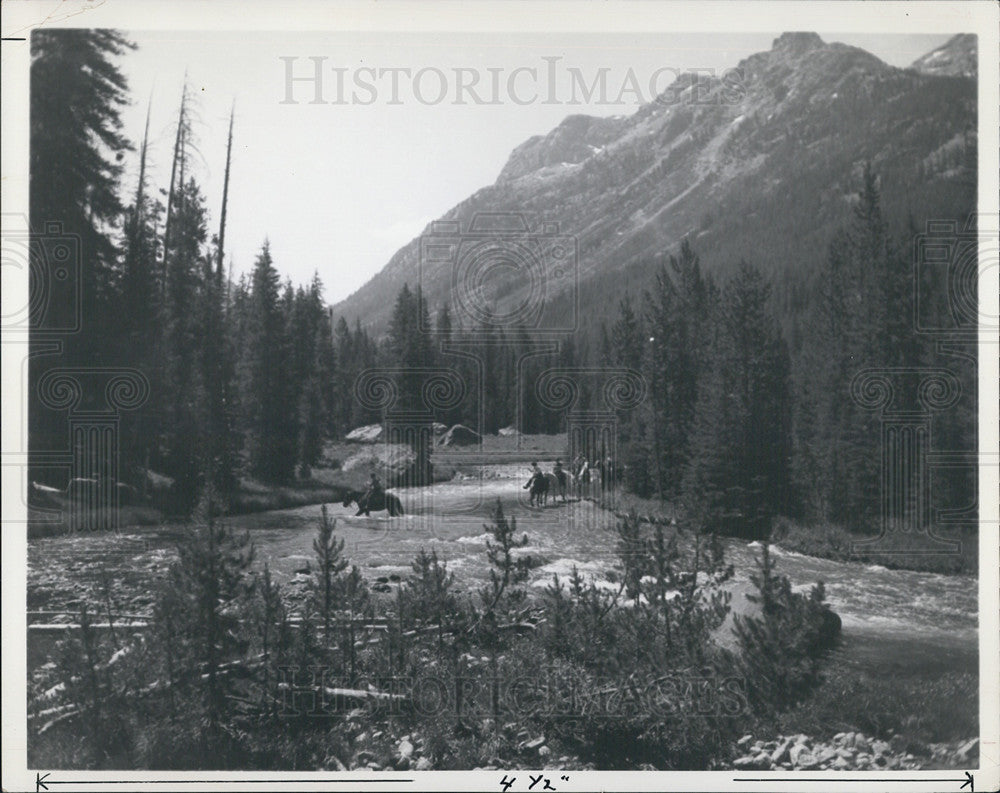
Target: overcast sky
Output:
[{"x": 339, "y": 187}]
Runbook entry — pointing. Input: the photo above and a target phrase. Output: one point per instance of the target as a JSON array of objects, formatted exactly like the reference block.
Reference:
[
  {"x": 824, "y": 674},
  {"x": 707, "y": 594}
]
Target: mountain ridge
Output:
[
  {"x": 957, "y": 56},
  {"x": 758, "y": 163}
]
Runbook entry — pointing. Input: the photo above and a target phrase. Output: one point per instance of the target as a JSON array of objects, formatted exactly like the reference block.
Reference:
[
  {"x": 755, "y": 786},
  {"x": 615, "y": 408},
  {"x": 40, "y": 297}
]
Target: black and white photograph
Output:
[{"x": 564, "y": 395}]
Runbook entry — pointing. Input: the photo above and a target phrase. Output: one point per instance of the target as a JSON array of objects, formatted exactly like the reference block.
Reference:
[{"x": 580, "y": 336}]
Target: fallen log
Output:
[{"x": 349, "y": 698}]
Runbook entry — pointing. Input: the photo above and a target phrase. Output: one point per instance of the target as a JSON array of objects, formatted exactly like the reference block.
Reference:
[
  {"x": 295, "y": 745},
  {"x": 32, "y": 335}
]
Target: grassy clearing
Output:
[{"x": 919, "y": 708}]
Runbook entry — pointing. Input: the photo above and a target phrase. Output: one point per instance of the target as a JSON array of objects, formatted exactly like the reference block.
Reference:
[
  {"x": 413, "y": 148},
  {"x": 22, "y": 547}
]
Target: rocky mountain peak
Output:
[
  {"x": 956, "y": 57},
  {"x": 764, "y": 160},
  {"x": 797, "y": 42}
]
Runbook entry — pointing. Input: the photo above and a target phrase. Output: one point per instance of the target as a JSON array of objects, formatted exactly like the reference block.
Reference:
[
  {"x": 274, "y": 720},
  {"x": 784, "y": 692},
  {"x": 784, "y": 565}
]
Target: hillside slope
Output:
[{"x": 760, "y": 166}]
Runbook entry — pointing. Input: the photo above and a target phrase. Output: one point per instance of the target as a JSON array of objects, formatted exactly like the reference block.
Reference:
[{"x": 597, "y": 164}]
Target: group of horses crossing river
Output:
[{"x": 558, "y": 483}]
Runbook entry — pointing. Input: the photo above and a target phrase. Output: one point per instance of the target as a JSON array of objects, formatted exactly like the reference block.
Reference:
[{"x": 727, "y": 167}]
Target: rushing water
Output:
[{"x": 889, "y": 616}]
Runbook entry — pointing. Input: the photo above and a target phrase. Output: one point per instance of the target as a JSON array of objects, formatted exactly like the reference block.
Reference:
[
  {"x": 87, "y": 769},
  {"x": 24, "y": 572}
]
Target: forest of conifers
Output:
[{"x": 250, "y": 375}]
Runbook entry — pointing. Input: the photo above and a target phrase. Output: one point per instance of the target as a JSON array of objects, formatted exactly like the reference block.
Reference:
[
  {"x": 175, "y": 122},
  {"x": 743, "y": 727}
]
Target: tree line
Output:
[
  {"x": 741, "y": 426},
  {"x": 249, "y": 376}
]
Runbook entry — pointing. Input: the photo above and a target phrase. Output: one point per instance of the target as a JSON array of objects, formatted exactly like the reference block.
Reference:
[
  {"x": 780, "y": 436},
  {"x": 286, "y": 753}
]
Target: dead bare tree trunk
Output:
[
  {"x": 225, "y": 197},
  {"x": 141, "y": 187},
  {"x": 178, "y": 155}
]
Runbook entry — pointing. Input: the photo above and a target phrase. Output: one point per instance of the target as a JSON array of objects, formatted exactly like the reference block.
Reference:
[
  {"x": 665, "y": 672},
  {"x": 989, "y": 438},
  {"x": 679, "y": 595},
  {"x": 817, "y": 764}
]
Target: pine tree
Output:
[
  {"x": 218, "y": 359},
  {"x": 737, "y": 478},
  {"x": 140, "y": 318},
  {"x": 208, "y": 588},
  {"x": 343, "y": 382},
  {"x": 628, "y": 342},
  {"x": 330, "y": 564},
  {"x": 862, "y": 310},
  {"x": 442, "y": 324},
  {"x": 314, "y": 363},
  {"x": 408, "y": 347},
  {"x": 77, "y": 93},
  {"x": 627, "y": 336},
  {"x": 271, "y": 422},
  {"x": 183, "y": 405},
  {"x": 680, "y": 315}
]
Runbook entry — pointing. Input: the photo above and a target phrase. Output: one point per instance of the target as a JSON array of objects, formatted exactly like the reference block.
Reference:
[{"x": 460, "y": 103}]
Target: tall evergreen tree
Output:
[
  {"x": 737, "y": 478},
  {"x": 182, "y": 404},
  {"x": 77, "y": 93},
  {"x": 862, "y": 318},
  {"x": 628, "y": 342},
  {"x": 271, "y": 417},
  {"x": 680, "y": 312}
]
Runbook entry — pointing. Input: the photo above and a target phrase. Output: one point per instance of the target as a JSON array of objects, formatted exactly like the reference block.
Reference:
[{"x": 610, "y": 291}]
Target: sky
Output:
[{"x": 408, "y": 125}]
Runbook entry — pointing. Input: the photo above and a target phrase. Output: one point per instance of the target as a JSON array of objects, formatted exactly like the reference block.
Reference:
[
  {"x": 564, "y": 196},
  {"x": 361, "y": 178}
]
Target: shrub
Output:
[{"x": 783, "y": 647}]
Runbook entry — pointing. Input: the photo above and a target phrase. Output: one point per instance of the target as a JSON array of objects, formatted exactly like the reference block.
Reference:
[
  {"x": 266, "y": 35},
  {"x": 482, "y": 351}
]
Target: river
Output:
[{"x": 891, "y": 618}]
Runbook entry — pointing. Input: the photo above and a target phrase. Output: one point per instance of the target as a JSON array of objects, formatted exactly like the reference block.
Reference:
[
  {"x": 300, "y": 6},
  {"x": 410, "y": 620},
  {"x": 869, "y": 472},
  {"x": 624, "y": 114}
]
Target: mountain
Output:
[
  {"x": 761, "y": 164},
  {"x": 957, "y": 56}
]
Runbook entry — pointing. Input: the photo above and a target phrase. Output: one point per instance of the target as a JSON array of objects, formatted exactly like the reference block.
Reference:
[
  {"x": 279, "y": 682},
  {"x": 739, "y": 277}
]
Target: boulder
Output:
[
  {"x": 81, "y": 487},
  {"x": 968, "y": 750},
  {"x": 391, "y": 461},
  {"x": 158, "y": 483},
  {"x": 127, "y": 494},
  {"x": 781, "y": 752},
  {"x": 460, "y": 435},
  {"x": 158, "y": 489},
  {"x": 43, "y": 495},
  {"x": 798, "y": 752},
  {"x": 825, "y": 755},
  {"x": 423, "y": 764},
  {"x": 829, "y": 629},
  {"x": 759, "y": 761},
  {"x": 807, "y": 761},
  {"x": 370, "y": 433}
]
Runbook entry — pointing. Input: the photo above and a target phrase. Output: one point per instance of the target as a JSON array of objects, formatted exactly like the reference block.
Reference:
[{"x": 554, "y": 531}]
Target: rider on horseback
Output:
[
  {"x": 535, "y": 473},
  {"x": 560, "y": 474},
  {"x": 374, "y": 488},
  {"x": 537, "y": 485}
]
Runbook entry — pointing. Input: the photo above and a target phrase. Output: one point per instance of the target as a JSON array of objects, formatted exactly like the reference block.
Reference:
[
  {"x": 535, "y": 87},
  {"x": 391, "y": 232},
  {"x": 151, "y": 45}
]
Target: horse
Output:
[
  {"x": 560, "y": 488},
  {"x": 586, "y": 480},
  {"x": 377, "y": 501},
  {"x": 538, "y": 489}
]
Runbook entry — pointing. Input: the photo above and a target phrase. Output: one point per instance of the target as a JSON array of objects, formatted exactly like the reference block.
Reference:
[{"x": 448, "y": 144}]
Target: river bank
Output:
[{"x": 906, "y": 665}]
